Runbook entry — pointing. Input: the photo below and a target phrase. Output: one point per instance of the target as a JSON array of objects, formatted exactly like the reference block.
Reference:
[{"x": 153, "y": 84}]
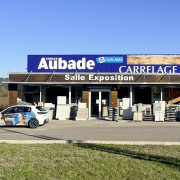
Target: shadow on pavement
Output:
[
  {"x": 170, "y": 161},
  {"x": 36, "y": 136},
  {"x": 43, "y": 137}
]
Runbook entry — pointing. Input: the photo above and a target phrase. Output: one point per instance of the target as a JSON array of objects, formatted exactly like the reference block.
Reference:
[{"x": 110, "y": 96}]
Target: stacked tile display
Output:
[
  {"x": 158, "y": 109},
  {"x": 137, "y": 116},
  {"x": 148, "y": 115},
  {"x": 82, "y": 113},
  {"x": 113, "y": 114},
  {"x": 170, "y": 114},
  {"x": 62, "y": 109}
]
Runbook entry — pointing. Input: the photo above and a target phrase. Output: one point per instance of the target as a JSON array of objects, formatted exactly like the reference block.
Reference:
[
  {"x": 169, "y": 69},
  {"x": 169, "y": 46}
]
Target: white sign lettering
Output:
[
  {"x": 59, "y": 63},
  {"x": 99, "y": 78},
  {"x": 148, "y": 69}
]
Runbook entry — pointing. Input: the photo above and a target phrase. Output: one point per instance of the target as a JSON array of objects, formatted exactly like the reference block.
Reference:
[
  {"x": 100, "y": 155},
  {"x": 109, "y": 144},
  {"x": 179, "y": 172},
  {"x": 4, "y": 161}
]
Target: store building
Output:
[{"x": 100, "y": 81}]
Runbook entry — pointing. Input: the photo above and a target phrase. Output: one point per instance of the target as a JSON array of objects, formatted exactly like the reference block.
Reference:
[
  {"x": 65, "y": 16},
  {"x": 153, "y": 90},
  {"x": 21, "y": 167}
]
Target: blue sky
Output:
[{"x": 86, "y": 27}]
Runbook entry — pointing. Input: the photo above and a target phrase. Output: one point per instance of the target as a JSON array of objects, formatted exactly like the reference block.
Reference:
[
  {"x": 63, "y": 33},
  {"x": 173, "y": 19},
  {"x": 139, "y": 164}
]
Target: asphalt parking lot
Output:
[{"x": 96, "y": 130}]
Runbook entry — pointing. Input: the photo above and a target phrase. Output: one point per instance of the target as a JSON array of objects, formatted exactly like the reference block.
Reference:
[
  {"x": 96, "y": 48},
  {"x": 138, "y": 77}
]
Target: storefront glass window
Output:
[
  {"x": 31, "y": 94},
  {"x": 171, "y": 95},
  {"x": 76, "y": 93},
  {"x": 123, "y": 92},
  {"x": 156, "y": 93},
  {"x": 142, "y": 94},
  {"x": 53, "y": 91}
]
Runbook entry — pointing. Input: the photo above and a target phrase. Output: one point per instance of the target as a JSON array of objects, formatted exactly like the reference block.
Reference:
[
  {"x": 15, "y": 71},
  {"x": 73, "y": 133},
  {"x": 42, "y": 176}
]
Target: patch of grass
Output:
[{"x": 89, "y": 161}]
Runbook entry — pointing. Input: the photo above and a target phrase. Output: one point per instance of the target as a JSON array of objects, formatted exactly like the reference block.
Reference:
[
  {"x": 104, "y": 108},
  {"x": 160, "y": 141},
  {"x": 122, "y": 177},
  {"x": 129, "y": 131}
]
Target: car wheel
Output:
[{"x": 33, "y": 123}]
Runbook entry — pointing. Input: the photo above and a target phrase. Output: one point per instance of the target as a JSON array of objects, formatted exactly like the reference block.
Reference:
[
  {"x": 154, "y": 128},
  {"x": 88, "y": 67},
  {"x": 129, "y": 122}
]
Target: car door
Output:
[
  {"x": 20, "y": 116},
  {"x": 9, "y": 115},
  {"x": 24, "y": 115}
]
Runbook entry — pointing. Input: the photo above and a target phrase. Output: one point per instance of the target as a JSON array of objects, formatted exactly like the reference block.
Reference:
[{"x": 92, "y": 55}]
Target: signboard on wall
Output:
[{"x": 103, "y": 64}]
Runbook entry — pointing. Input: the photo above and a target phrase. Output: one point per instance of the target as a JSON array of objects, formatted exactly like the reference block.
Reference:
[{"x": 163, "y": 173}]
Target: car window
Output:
[
  {"x": 21, "y": 109},
  {"x": 40, "y": 108},
  {"x": 17, "y": 109},
  {"x": 6, "y": 111},
  {"x": 27, "y": 109},
  {"x": 14, "y": 110}
]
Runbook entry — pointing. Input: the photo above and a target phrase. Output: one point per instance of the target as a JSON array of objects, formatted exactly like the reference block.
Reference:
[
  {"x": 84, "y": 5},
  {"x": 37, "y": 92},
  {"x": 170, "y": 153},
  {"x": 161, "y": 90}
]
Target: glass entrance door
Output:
[
  {"x": 100, "y": 101},
  {"x": 104, "y": 104},
  {"x": 94, "y": 104}
]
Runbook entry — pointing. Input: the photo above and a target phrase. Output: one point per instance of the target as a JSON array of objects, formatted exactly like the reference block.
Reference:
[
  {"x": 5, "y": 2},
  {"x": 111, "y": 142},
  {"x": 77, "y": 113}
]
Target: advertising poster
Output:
[{"x": 16, "y": 119}]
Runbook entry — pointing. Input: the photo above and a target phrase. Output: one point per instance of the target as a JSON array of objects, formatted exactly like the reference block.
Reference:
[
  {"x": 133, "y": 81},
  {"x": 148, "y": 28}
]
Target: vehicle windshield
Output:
[{"x": 40, "y": 108}]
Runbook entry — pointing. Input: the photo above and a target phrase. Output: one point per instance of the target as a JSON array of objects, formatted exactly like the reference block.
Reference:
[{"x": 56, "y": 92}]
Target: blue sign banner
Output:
[
  {"x": 95, "y": 63},
  {"x": 75, "y": 63}
]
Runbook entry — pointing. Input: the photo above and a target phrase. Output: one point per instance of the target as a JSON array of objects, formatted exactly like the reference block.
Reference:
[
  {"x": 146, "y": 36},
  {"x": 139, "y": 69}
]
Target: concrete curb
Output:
[{"x": 93, "y": 142}]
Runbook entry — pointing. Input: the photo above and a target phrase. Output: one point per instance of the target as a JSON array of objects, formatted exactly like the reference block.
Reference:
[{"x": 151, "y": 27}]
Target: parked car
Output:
[{"x": 23, "y": 115}]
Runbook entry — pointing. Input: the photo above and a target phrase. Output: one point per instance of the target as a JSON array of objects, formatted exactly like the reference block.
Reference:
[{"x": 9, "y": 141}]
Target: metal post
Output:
[
  {"x": 40, "y": 94},
  {"x": 100, "y": 101},
  {"x": 161, "y": 94},
  {"x": 70, "y": 94},
  {"x": 131, "y": 96},
  {"x": 131, "y": 102},
  {"x": 89, "y": 104}
]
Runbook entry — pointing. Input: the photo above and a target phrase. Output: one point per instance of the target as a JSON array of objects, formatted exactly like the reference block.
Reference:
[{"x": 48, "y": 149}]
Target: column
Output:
[
  {"x": 70, "y": 94},
  {"x": 100, "y": 102},
  {"x": 130, "y": 103},
  {"x": 114, "y": 98},
  {"x": 161, "y": 94},
  {"x": 85, "y": 97},
  {"x": 12, "y": 88},
  {"x": 89, "y": 105},
  {"x": 43, "y": 93},
  {"x": 40, "y": 94},
  {"x": 131, "y": 96}
]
